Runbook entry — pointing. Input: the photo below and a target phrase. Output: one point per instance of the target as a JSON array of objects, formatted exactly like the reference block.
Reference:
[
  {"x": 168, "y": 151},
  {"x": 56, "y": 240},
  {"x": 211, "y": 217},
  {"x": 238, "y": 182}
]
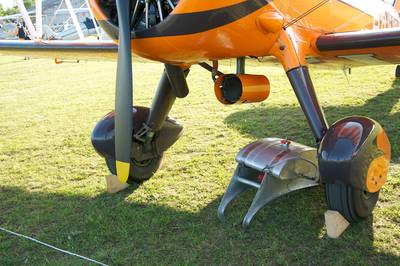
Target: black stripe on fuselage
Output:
[
  {"x": 190, "y": 23},
  {"x": 359, "y": 40}
]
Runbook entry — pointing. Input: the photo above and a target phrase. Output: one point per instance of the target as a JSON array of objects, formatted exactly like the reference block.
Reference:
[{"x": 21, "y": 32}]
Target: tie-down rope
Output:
[{"x": 52, "y": 247}]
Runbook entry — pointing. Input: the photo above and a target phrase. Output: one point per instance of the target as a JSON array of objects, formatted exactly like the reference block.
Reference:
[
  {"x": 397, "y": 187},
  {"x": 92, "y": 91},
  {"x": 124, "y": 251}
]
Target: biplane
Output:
[{"x": 351, "y": 157}]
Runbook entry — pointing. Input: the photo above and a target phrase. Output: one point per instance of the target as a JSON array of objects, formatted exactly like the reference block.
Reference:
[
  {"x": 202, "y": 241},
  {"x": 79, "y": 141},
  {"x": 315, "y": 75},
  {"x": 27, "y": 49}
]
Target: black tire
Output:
[
  {"x": 398, "y": 72},
  {"x": 139, "y": 171},
  {"x": 352, "y": 203}
]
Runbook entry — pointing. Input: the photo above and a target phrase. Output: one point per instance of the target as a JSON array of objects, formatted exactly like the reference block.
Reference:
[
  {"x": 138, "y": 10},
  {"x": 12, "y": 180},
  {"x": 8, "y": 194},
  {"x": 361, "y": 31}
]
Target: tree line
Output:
[{"x": 14, "y": 10}]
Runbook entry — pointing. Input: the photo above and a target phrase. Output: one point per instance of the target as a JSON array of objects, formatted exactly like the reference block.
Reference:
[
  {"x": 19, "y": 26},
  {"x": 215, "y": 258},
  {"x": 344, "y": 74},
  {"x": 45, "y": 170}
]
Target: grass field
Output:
[{"x": 52, "y": 183}]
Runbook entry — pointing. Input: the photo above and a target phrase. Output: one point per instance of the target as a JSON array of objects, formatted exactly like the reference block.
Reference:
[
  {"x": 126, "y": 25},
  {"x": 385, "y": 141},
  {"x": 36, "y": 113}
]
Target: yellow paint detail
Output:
[
  {"x": 377, "y": 174},
  {"x": 382, "y": 142},
  {"x": 122, "y": 171}
]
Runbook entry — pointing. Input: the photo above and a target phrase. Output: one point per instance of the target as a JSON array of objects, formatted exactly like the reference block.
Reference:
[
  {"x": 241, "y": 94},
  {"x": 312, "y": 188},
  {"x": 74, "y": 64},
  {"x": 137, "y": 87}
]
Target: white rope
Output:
[{"x": 53, "y": 247}]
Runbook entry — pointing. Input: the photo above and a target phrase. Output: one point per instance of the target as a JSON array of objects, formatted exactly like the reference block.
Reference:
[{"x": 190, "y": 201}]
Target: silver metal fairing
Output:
[{"x": 274, "y": 167}]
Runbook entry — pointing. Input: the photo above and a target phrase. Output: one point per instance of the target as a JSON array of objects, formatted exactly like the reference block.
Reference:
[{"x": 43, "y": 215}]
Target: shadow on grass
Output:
[
  {"x": 114, "y": 230},
  {"x": 289, "y": 121},
  {"x": 117, "y": 230}
]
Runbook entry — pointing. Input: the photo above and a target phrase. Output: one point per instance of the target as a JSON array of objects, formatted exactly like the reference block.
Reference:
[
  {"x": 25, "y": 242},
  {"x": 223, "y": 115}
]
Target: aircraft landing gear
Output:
[
  {"x": 398, "y": 72},
  {"x": 148, "y": 146},
  {"x": 352, "y": 161},
  {"x": 353, "y": 154},
  {"x": 353, "y": 204},
  {"x": 139, "y": 171},
  {"x": 153, "y": 131}
]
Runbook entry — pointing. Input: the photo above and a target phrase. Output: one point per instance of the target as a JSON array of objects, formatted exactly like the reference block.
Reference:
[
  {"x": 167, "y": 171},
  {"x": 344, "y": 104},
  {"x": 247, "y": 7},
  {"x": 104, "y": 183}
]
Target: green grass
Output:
[{"x": 52, "y": 183}]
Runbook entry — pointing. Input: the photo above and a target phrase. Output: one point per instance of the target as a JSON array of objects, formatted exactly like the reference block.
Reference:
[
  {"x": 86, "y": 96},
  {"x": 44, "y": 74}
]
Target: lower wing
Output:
[
  {"x": 369, "y": 47},
  {"x": 87, "y": 50}
]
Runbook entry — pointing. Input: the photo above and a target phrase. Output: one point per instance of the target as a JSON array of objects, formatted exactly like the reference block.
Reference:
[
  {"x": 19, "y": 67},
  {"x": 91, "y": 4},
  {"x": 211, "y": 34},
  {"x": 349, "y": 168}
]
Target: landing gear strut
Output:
[
  {"x": 353, "y": 153},
  {"x": 153, "y": 131},
  {"x": 351, "y": 161}
]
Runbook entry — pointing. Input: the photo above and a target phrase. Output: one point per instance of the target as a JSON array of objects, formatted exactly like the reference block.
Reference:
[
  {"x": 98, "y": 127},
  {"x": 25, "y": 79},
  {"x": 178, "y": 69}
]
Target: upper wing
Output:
[
  {"x": 363, "y": 47},
  {"x": 87, "y": 50}
]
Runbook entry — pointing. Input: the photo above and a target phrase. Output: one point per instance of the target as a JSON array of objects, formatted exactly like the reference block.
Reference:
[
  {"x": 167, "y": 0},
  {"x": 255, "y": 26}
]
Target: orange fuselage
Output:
[{"x": 199, "y": 30}]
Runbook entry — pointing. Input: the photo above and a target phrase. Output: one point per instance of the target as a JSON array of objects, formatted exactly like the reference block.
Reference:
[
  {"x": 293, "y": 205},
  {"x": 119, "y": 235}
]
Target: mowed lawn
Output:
[{"x": 52, "y": 184}]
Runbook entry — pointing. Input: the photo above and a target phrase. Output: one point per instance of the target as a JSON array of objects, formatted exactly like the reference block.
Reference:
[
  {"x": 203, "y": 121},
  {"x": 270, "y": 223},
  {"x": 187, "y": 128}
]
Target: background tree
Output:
[{"x": 14, "y": 10}]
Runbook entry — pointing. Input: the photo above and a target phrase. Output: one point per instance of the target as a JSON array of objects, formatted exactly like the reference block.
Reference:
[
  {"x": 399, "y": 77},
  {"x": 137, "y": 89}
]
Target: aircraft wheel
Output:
[
  {"x": 354, "y": 158},
  {"x": 139, "y": 171},
  {"x": 352, "y": 203},
  {"x": 398, "y": 72}
]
